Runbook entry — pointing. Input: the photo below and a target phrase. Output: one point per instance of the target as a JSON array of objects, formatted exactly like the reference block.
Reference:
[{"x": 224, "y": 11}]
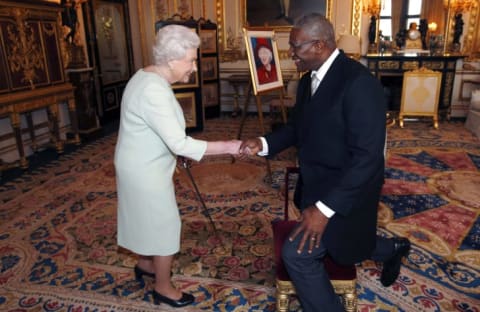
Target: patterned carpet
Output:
[{"x": 58, "y": 229}]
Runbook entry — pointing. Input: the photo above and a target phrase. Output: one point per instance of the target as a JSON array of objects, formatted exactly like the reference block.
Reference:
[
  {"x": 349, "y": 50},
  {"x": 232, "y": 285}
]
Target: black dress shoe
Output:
[
  {"x": 139, "y": 273},
  {"x": 186, "y": 299},
  {"x": 391, "y": 267}
]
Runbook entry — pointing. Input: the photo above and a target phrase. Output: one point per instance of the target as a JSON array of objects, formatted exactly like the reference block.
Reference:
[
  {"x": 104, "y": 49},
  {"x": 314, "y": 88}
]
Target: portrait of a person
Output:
[{"x": 265, "y": 63}]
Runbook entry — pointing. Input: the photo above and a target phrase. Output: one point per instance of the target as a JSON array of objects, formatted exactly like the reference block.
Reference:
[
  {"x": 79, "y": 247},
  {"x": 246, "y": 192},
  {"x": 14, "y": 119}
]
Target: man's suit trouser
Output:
[{"x": 310, "y": 278}]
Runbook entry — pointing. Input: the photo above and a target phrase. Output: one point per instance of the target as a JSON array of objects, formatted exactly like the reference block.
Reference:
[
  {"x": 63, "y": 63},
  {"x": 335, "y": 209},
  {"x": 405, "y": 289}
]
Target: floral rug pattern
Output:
[{"x": 58, "y": 247}]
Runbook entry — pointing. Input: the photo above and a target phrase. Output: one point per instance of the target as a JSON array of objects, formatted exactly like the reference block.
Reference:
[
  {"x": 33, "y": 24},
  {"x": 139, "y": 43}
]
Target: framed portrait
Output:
[
  {"x": 208, "y": 39},
  {"x": 191, "y": 83},
  {"x": 209, "y": 68},
  {"x": 233, "y": 15},
  {"x": 210, "y": 94},
  {"x": 280, "y": 13},
  {"x": 263, "y": 60},
  {"x": 187, "y": 102}
]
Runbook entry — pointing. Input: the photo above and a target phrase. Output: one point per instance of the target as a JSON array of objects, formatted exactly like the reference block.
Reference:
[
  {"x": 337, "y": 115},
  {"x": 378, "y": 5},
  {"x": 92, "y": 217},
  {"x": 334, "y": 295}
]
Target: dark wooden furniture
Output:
[
  {"x": 17, "y": 103},
  {"x": 85, "y": 96},
  {"x": 32, "y": 73},
  {"x": 209, "y": 68},
  {"x": 389, "y": 68}
]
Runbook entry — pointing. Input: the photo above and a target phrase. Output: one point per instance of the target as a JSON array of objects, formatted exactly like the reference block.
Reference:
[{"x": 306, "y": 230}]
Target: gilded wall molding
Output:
[
  {"x": 143, "y": 35},
  {"x": 356, "y": 17},
  {"x": 470, "y": 46}
]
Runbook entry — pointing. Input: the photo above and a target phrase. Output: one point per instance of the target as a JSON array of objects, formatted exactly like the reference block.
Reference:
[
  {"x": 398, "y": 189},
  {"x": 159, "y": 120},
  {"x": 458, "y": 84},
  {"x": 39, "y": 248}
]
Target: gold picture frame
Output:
[
  {"x": 263, "y": 59},
  {"x": 210, "y": 94},
  {"x": 187, "y": 102},
  {"x": 209, "y": 68},
  {"x": 208, "y": 39}
]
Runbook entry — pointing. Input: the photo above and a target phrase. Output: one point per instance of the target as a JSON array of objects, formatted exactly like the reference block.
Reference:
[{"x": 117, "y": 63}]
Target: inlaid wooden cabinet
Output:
[
  {"x": 32, "y": 74},
  {"x": 31, "y": 53}
]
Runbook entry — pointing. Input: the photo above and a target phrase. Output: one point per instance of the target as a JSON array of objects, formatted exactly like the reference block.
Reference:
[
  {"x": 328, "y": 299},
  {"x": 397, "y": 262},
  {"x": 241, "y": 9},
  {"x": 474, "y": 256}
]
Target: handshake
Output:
[{"x": 244, "y": 148}]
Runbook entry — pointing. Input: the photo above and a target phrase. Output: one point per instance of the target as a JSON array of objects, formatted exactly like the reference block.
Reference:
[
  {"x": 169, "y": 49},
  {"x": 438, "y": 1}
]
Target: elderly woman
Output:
[{"x": 151, "y": 135}]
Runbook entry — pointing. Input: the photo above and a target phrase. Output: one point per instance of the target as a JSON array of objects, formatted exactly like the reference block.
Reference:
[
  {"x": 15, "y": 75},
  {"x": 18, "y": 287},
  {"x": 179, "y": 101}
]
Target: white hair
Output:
[{"x": 172, "y": 43}]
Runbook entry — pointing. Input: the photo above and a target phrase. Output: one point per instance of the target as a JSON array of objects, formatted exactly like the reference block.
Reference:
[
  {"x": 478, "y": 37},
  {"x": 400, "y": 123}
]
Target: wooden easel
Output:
[{"x": 258, "y": 101}]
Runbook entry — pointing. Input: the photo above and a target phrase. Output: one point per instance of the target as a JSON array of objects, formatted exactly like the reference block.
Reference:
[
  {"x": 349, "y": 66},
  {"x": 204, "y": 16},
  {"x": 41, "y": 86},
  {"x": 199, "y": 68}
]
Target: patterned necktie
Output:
[{"x": 315, "y": 82}]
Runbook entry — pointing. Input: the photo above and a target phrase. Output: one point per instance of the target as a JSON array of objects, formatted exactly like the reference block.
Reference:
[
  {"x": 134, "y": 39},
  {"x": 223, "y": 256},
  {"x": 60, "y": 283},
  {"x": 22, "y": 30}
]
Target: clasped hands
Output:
[
  {"x": 250, "y": 147},
  {"x": 242, "y": 149}
]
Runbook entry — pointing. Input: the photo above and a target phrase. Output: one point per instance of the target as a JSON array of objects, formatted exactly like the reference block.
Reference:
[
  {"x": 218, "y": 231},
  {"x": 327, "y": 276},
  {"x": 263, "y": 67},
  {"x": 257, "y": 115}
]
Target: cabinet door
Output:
[
  {"x": 30, "y": 55},
  {"x": 4, "y": 78},
  {"x": 110, "y": 52}
]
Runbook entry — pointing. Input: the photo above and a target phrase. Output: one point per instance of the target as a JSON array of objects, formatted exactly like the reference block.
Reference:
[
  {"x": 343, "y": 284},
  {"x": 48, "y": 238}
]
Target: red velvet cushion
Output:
[{"x": 281, "y": 230}]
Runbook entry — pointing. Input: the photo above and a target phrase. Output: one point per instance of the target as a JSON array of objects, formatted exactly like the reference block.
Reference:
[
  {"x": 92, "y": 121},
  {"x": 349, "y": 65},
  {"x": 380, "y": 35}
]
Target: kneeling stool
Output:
[{"x": 343, "y": 278}]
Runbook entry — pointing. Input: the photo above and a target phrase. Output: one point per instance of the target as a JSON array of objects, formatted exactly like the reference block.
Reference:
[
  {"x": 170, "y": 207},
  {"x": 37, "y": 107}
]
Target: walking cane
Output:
[{"x": 205, "y": 209}]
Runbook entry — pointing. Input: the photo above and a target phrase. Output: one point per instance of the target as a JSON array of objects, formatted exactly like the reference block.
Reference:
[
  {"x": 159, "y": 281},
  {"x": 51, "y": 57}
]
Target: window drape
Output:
[{"x": 434, "y": 11}]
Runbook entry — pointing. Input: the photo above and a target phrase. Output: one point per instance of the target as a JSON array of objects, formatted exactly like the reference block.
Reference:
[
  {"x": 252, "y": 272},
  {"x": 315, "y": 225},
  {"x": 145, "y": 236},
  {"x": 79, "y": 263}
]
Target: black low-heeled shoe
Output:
[
  {"x": 185, "y": 300},
  {"x": 139, "y": 273}
]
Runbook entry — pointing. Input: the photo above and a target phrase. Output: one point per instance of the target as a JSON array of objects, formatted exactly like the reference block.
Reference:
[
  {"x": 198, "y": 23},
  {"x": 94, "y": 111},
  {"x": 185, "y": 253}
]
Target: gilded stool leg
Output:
[
  {"x": 284, "y": 289},
  {"x": 350, "y": 302},
  {"x": 282, "y": 302}
]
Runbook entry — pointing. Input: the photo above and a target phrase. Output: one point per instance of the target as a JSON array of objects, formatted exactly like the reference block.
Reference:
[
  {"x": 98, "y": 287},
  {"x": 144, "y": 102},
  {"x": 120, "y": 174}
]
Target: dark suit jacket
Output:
[{"x": 340, "y": 135}]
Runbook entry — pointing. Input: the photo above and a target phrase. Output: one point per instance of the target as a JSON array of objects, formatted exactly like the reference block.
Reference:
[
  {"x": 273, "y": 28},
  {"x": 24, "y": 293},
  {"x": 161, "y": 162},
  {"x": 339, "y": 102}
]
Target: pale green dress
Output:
[{"x": 151, "y": 134}]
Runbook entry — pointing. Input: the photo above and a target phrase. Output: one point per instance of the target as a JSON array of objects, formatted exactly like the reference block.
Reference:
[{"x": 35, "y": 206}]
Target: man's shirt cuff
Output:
[
  {"x": 264, "y": 151},
  {"x": 324, "y": 209}
]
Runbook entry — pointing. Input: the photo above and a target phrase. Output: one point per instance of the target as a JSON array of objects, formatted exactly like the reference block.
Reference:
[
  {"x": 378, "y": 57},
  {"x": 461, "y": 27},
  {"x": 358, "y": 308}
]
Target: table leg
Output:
[
  {"x": 15, "y": 121},
  {"x": 31, "y": 130},
  {"x": 73, "y": 120},
  {"x": 53, "y": 116}
]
